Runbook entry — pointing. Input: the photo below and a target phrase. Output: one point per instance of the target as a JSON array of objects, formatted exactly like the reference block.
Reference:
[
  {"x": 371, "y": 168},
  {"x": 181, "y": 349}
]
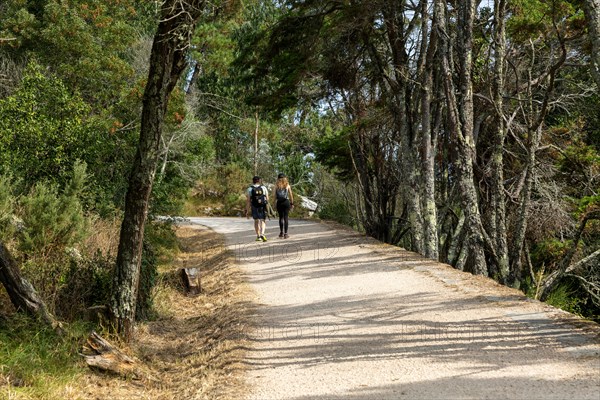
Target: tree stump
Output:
[
  {"x": 102, "y": 355},
  {"x": 191, "y": 280}
]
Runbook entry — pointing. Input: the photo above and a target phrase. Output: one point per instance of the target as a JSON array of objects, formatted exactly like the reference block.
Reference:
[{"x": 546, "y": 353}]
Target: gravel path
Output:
[{"x": 343, "y": 316}]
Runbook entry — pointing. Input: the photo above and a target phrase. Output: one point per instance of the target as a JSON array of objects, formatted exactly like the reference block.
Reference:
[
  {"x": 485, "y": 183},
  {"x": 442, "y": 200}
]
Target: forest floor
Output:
[
  {"x": 340, "y": 315},
  {"x": 195, "y": 347}
]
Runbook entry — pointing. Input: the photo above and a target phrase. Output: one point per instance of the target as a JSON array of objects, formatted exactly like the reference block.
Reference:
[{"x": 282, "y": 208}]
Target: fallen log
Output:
[
  {"x": 191, "y": 280},
  {"x": 101, "y": 355}
]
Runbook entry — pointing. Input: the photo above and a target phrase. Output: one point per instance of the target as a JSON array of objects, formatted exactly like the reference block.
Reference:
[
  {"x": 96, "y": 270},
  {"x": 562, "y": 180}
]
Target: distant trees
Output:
[{"x": 447, "y": 118}]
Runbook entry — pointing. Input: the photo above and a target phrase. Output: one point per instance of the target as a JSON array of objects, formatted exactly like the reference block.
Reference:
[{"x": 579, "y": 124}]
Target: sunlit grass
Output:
[{"x": 35, "y": 362}]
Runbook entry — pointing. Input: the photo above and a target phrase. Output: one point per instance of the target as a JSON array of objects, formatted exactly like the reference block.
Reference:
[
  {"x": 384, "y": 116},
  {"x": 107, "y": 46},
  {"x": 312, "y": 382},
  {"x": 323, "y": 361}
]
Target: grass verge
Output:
[
  {"x": 194, "y": 347},
  {"x": 35, "y": 363}
]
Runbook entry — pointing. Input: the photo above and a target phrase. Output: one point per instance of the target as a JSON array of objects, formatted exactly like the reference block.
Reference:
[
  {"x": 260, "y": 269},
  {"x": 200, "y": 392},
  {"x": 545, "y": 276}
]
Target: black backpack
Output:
[{"x": 258, "y": 197}]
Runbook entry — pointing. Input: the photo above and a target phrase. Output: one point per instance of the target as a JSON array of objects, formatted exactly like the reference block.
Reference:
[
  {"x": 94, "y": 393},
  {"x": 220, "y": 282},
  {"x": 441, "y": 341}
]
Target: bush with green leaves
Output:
[
  {"x": 43, "y": 129},
  {"x": 53, "y": 221},
  {"x": 336, "y": 210},
  {"x": 44, "y": 226}
]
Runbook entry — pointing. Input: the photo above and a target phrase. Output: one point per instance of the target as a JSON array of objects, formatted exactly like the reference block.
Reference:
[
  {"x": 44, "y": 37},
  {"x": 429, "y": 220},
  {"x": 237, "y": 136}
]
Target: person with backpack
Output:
[
  {"x": 285, "y": 202},
  {"x": 257, "y": 199}
]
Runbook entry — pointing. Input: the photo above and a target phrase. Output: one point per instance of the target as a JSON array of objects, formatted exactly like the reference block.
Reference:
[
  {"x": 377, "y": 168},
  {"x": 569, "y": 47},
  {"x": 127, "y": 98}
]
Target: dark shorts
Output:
[{"x": 259, "y": 213}]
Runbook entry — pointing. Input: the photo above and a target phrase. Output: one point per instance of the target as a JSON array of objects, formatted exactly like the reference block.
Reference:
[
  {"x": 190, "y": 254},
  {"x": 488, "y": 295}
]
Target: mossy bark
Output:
[{"x": 167, "y": 62}]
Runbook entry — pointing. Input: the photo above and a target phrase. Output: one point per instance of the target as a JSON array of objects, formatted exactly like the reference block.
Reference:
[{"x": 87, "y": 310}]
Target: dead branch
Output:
[{"x": 101, "y": 355}]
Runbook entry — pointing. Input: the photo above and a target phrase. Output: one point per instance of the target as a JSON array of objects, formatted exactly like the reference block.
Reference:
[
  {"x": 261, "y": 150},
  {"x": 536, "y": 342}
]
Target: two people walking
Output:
[{"x": 257, "y": 201}]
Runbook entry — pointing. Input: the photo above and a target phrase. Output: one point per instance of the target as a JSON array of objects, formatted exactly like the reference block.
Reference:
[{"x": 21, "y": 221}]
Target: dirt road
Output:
[{"x": 343, "y": 316}]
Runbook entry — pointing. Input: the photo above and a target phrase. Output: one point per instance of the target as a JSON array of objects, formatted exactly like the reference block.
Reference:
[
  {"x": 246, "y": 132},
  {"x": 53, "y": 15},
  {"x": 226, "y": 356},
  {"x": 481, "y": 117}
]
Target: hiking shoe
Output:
[
  {"x": 258, "y": 238},
  {"x": 264, "y": 238},
  {"x": 285, "y": 236},
  {"x": 281, "y": 234}
]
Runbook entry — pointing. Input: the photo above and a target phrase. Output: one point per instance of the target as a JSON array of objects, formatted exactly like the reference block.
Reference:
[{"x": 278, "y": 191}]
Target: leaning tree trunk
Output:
[
  {"x": 21, "y": 292},
  {"x": 167, "y": 62}
]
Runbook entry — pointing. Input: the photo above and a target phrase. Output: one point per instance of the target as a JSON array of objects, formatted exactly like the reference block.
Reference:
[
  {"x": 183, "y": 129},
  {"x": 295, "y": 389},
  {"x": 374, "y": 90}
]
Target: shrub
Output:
[
  {"x": 87, "y": 283},
  {"x": 52, "y": 221},
  {"x": 565, "y": 297},
  {"x": 336, "y": 210}
]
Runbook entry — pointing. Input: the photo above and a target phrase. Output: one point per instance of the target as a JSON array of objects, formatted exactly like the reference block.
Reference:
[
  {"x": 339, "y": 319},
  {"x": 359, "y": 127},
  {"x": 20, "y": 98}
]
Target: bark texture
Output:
[
  {"x": 101, "y": 355},
  {"x": 167, "y": 62},
  {"x": 592, "y": 16},
  {"x": 22, "y": 294},
  {"x": 460, "y": 124},
  {"x": 497, "y": 227}
]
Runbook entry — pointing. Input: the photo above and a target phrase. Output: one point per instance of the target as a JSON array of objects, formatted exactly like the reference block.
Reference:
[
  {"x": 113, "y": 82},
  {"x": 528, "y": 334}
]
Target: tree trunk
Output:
[
  {"x": 460, "y": 114},
  {"x": 497, "y": 204},
  {"x": 518, "y": 240},
  {"x": 21, "y": 292},
  {"x": 100, "y": 354},
  {"x": 536, "y": 118},
  {"x": 167, "y": 62},
  {"x": 592, "y": 16},
  {"x": 396, "y": 81},
  {"x": 429, "y": 207}
]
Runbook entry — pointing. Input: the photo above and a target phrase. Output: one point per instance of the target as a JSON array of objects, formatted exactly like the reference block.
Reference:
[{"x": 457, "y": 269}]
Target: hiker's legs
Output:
[
  {"x": 286, "y": 217},
  {"x": 283, "y": 209},
  {"x": 280, "y": 221},
  {"x": 263, "y": 226},
  {"x": 257, "y": 226}
]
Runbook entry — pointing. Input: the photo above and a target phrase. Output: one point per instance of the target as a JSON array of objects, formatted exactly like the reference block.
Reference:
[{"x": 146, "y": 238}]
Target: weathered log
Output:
[
  {"x": 191, "y": 280},
  {"x": 22, "y": 294},
  {"x": 101, "y": 355}
]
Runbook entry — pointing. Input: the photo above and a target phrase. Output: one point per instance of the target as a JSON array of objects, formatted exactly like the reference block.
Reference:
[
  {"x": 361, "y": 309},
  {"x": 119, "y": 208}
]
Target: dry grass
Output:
[
  {"x": 195, "y": 348},
  {"x": 104, "y": 236}
]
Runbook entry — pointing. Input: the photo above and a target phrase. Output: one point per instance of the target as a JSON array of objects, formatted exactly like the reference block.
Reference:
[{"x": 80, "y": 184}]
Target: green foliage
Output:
[
  {"x": 84, "y": 42},
  {"x": 336, "y": 210},
  {"x": 580, "y": 165},
  {"x": 48, "y": 225},
  {"x": 276, "y": 51},
  {"x": 549, "y": 252},
  {"x": 52, "y": 221},
  {"x": 42, "y": 129},
  {"x": 333, "y": 151},
  {"x": 168, "y": 195},
  {"x": 34, "y": 357},
  {"x": 566, "y": 297},
  {"x": 160, "y": 245},
  {"x": 534, "y": 18},
  {"x": 87, "y": 283}
]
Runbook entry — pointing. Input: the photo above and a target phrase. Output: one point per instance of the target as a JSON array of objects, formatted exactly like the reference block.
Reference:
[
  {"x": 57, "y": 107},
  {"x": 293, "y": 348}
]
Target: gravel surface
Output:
[{"x": 344, "y": 316}]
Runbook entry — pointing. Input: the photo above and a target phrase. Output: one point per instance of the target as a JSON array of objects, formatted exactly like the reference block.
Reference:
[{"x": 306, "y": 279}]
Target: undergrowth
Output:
[{"x": 35, "y": 362}]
